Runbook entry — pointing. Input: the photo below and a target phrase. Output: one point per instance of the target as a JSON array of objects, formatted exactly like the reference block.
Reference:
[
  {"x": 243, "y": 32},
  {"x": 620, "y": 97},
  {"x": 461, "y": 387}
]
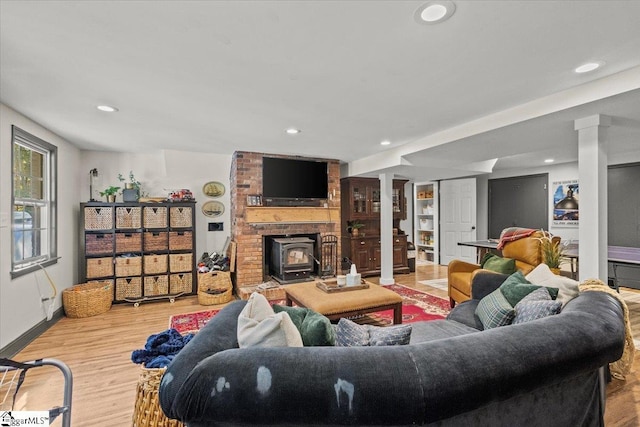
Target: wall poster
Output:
[{"x": 565, "y": 203}]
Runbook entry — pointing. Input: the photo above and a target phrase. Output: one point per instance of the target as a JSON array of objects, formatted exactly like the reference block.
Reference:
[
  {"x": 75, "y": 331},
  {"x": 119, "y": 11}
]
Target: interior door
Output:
[
  {"x": 457, "y": 219},
  {"x": 520, "y": 201}
]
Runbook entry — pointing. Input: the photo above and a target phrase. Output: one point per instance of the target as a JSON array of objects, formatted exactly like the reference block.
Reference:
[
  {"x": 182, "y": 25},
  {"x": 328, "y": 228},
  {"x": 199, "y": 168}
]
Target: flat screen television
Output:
[{"x": 294, "y": 182}]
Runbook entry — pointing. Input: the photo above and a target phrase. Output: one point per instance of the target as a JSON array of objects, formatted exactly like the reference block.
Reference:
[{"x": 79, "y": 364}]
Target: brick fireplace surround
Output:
[{"x": 246, "y": 180}]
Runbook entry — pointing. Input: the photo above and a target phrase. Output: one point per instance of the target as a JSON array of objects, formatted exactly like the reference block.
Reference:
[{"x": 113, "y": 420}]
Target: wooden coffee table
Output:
[{"x": 346, "y": 303}]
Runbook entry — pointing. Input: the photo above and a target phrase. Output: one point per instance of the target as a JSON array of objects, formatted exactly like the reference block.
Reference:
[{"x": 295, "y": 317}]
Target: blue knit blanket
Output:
[{"x": 160, "y": 349}]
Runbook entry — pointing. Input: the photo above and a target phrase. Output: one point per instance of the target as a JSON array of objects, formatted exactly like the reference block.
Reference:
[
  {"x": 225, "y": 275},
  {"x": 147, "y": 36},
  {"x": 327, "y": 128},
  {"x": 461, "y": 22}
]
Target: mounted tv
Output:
[{"x": 294, "y": 182}]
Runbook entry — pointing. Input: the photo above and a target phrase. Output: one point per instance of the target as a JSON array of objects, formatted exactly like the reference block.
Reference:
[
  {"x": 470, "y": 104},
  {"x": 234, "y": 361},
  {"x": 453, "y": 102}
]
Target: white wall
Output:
[
  {"x": 20, "y": 308},
  {"x": 162, "y": 171}
]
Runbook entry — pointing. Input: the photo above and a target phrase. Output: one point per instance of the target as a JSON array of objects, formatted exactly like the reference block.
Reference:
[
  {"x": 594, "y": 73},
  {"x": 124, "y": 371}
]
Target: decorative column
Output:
[
  {"x": 592, "y": 173},
  {"x": 386, "y": 229}
]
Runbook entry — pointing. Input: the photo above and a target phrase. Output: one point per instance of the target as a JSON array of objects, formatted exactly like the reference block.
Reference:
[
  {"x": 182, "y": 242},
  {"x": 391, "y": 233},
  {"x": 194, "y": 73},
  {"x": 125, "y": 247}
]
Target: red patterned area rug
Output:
[{"x": 416, "y": 306}]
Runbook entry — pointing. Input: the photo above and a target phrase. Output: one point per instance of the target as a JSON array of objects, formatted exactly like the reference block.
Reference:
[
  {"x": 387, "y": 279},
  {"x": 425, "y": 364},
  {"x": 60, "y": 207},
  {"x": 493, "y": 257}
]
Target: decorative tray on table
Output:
[{"x": 331, "y": 286}]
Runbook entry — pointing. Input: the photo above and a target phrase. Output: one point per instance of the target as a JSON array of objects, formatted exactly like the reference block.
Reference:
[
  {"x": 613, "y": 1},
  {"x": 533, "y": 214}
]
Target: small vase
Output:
[
  {"x": 555, "y": 270},
  {"x": 354, "y": 232},
  {"x": 111, "y": 198}
]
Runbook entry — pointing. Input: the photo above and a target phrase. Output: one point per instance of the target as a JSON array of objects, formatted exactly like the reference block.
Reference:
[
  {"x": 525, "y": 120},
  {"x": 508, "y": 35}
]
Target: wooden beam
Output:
[{"x": 275, "y": 215}]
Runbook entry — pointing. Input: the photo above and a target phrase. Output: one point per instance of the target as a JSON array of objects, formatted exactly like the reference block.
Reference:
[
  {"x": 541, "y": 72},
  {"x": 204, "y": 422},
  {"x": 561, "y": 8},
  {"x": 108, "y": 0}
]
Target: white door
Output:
[{"x": 457, "y": 219}]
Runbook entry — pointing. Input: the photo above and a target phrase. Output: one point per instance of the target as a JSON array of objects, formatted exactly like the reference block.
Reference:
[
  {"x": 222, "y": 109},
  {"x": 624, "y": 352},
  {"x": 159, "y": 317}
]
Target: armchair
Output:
[{"x": 526, "y": 251}]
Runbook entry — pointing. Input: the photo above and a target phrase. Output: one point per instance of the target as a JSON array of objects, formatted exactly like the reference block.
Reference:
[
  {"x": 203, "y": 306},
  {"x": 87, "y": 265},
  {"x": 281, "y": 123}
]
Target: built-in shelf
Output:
[
  {"x": 426, "y": 222},
  {"x": 291, "y": 215}
]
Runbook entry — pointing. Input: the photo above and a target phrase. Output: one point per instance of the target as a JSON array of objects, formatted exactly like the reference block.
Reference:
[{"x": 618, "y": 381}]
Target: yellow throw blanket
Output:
[{"x": 620, "y": 368}]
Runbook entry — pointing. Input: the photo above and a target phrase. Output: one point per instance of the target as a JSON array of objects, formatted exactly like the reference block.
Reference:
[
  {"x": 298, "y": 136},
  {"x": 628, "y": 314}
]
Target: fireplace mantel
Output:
[{"x": 289, "y": 215}]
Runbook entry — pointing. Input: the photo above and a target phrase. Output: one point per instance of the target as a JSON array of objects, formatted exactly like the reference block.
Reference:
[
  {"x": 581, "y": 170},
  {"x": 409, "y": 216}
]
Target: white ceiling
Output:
[{"x": 495, "y": 81}]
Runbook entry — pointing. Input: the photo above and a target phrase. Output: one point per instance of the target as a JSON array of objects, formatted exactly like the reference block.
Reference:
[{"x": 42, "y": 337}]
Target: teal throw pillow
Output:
[
  {"x": 498, "y": 264},
  {"x": 516, "y": 287},
  {"x": 351, "y": 334},
  {"x": 494, "y": 310},
  {"x": 315, "y": 329}
]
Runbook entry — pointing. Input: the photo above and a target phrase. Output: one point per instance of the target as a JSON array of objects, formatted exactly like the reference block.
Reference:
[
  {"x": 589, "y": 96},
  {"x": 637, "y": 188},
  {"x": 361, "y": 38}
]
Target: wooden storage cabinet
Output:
[
  {"x": 361, "y": 202},
  {"x": 365, "y": 252},
  {"x": 146, "y": 249},
  {"x": 361, "y": 198}
]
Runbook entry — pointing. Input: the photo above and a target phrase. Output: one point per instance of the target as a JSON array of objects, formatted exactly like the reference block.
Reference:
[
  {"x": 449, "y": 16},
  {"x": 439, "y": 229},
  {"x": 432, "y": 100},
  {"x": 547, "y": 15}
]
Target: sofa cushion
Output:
[
  {"x": 314, "y": 328},
  {"x": 350, "y": 334},
  {"x": 494, "y": 310},
  {"x": 433, "y": 330},
  {"x": 259, "y": 326},
  {"x": 464, "y": 313},
  {"x": 543, "y": 276},
  {"x": 498, "y": 264},
  {"x": 516, "y": 287}
]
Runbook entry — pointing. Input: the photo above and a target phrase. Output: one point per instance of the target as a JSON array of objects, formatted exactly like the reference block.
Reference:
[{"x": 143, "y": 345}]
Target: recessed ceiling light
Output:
[
  {"x": 385, "y": 142},
  {"x": 548, "y": 160},
  {"x": 107, "y": 108},
  {"x": 293, "y": 131},
  {"x": 435, "y": 12},
  {"x": 589, "y": 66}
]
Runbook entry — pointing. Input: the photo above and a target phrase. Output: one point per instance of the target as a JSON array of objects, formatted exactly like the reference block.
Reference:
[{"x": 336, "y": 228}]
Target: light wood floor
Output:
[{"x": 98, "y": 351}]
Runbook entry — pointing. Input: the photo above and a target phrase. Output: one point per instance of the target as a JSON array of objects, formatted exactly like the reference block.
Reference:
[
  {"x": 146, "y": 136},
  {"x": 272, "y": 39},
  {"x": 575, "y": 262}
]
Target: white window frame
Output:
[{"x": 46, "y": 231}]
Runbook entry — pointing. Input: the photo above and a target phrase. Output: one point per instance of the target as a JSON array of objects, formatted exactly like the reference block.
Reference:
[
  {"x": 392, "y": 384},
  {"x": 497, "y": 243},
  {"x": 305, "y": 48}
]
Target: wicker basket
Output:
[
  {"x": 99, "y": 267},
  {"x": 181, "y": 283},
  {"x": 155, "y": 264},
  {"x": 98, "y": 218},
  {"x": 217, "y": 281},
  {"x": 128, "y": 288},
  {"x": 155, "y": 217},
  {"x": 180, "y": 217},
  {"x": 156, "y": 241},
  {"x": 156, "y": 285},
  {"x": 128, "y": 217},
  {"x": 180, "y": 240},
  {"x": 128, "y": 242},
  {"x": 88, "y": 299},
  {"x": 146, "y": 411},
  {"x": 128, "y": 266},
  {"x": 98, "y": 243},
  {"x": 180, "y": 262}
]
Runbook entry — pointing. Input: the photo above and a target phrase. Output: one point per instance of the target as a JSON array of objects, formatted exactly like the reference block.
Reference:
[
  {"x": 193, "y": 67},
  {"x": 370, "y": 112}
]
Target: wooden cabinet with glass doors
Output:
[{"x": 361, "y": 204}]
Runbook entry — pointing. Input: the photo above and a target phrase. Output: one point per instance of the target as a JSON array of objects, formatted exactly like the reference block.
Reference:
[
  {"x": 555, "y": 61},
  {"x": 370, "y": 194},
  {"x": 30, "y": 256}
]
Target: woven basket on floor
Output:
[
  {"x": 218, "y": 281},
  {"x": 88, "y": 299},
  {"x": 147, "y": 412}
]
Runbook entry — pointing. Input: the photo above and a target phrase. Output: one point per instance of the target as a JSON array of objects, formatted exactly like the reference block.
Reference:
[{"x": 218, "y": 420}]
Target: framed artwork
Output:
[
  {"x": 213, "y": 189},
  {"x": 565, "y": 203},
  {"x": 212, "y": 208}
]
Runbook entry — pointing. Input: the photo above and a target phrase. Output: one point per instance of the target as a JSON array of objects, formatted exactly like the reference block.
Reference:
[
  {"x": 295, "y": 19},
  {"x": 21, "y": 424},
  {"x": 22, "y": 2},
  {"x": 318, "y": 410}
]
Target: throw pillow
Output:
[
  {"x": 350, "y": 334},
  {"x": 528, "y": 310},
  {"x": 543, "y": 276},
  {"x": 259, "y": 326},
  {"x": 494, "y": 310},
  {"x": 540, "y": 294},
  {"x": 516, "y": 287},
  {"x": 314, "y": 328},
  {"x": 498, "y": 264}
]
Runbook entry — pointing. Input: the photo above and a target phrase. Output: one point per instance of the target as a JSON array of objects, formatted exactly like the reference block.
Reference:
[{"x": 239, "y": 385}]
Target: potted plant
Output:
[
  {"x": 132, "y": 188},
  {"x": 110, "y": 193},
  {"x": 354, "y": 226},
  {"x": 552, "y": 251}
]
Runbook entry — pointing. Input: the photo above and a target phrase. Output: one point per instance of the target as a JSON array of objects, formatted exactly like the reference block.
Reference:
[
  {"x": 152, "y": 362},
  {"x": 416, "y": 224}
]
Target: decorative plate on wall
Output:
[
  {"x": 212, "y": 208},
  {"x": 213, "y": 189}
]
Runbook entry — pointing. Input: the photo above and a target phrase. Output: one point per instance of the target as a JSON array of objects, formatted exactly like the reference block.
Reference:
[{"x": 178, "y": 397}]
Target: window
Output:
[{"x": 33, "y": 230}]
